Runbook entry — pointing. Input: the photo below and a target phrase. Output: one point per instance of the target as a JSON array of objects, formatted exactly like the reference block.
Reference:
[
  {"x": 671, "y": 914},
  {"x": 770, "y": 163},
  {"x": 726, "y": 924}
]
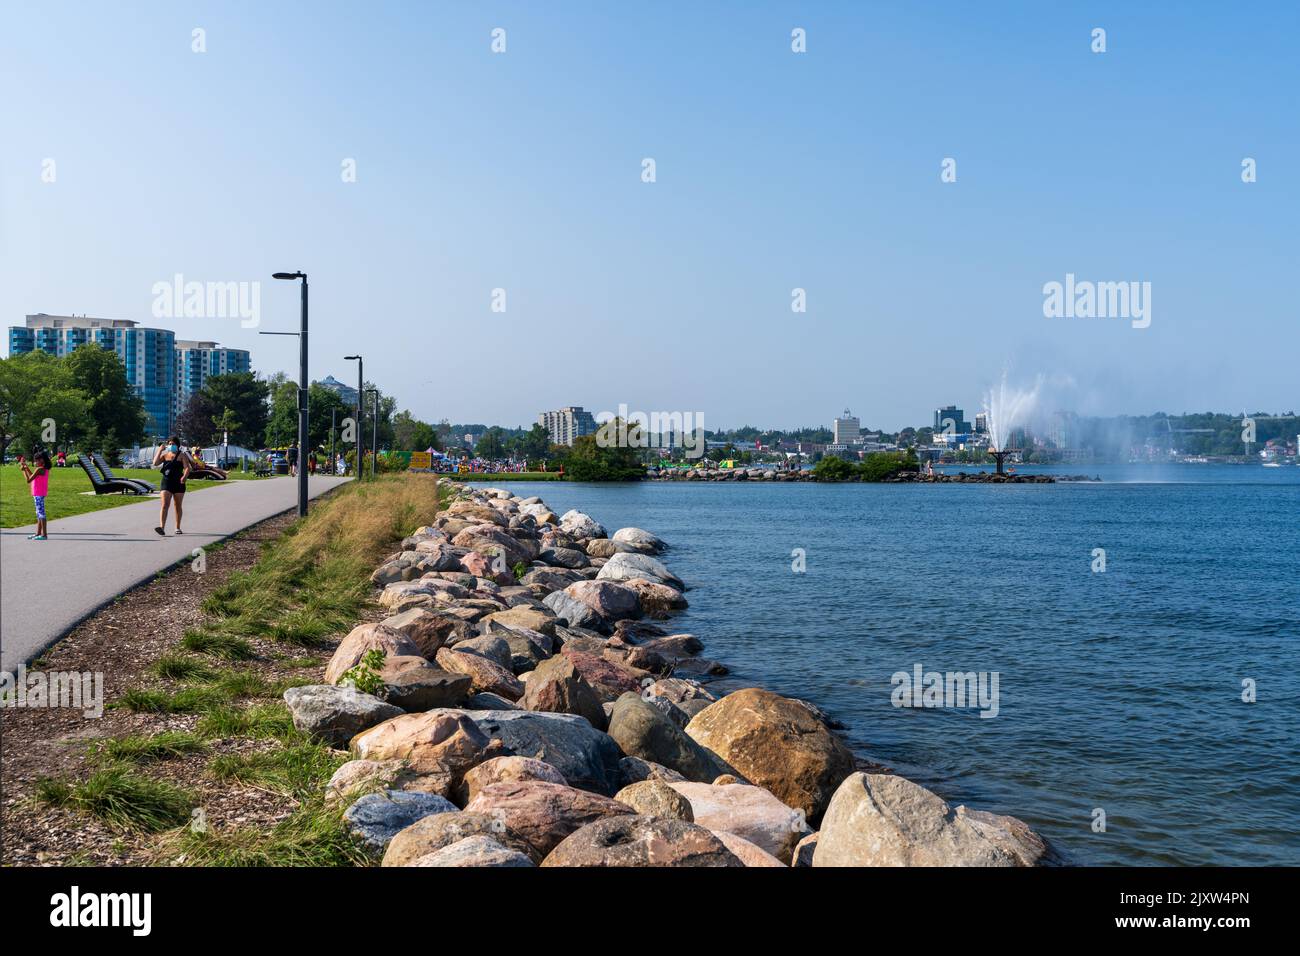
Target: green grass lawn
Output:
[{"x": 66, "y": 498}]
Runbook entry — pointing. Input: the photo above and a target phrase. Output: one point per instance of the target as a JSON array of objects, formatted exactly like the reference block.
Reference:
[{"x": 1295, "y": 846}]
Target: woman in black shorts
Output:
[{"x": 175, "y": 463}]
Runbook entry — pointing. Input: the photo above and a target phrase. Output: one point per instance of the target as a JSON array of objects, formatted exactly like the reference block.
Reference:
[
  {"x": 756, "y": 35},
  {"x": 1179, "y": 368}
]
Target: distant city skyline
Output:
[{"x": 459, "y": 209}]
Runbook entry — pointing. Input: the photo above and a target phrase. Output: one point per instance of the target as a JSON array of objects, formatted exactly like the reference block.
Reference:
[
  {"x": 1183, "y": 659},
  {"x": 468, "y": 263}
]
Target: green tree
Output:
[
  {"x": 282, "y": 424},
  {"x": 196, "y": 421},
  {"x": 535, "y": 444},
  {"x": 834, "y": 468},
  {"x": 490, "y": 445},
  {"x": 116, "y": 411},
  {"x": 411, "y": 434},
  {"x": 604, "y": 456},
  {"x": 245, "y": 395},
  {"x": 37, "y": 391}
]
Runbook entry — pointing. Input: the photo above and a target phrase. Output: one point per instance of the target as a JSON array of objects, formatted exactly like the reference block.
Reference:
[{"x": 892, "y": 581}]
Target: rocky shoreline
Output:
[
  {"x": 903, "y": 477},
  {"x": 521, "y": 707}
]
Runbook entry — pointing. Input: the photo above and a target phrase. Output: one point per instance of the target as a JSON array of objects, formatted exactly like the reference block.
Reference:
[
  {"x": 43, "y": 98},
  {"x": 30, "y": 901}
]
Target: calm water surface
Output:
[{"x": 1120, "y": 691}]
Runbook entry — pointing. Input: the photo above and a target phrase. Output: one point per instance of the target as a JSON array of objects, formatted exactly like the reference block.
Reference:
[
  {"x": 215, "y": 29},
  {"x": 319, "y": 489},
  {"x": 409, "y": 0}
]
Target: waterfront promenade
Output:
[{"x": 89, "y": 559}]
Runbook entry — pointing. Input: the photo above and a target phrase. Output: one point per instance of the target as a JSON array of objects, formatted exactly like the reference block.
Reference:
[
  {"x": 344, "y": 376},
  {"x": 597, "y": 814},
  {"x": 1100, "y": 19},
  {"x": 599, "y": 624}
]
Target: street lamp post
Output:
[
  {"x": 302, "y": 390},
  {"x": 374, "y": 429},
  {"x": 361, "y": 398}
]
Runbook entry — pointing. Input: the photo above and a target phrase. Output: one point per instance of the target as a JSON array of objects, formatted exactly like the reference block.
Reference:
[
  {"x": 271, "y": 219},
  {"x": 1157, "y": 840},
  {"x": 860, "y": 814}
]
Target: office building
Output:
[
  {"x": 566, "y": 424},
  {"x": 846, "y": 429},
  {"x": 951, "y": 420}
]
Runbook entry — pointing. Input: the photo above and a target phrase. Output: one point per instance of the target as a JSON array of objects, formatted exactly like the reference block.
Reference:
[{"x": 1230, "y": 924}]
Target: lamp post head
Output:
[
  {"x": 289, "y": 275},
  {"x": 351, "y": 358}
]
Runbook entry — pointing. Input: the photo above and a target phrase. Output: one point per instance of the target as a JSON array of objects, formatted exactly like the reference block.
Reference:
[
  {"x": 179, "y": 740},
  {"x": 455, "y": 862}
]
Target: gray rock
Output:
[
  {"x": 424, "y": 688},
  {"x": 581, "y": 525},
  {"x": 335, "y": 714},
  {"x": 572, "y": 611},
  {"x": 634, "y": 770},
  {"x": 475, "y": 851},
  {"x": 624, "y": 566},
  {"x": 642, "y": 541},
  {"x": 885, "y": 820},
  {"x": 565, "y": 557},
  {"x": 586, "y": 757},
  {"x": 377, "y": 817},
  {"x": 491, "y": 646},
  {"x": 641, "y": 730}
]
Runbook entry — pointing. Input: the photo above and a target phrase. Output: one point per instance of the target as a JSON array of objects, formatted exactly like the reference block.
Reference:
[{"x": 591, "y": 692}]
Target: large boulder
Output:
[
  {"x": 404, "y": 595},
  {"x": 606, "y": 547},
  {"x": 609, "y": 679},
  {"x": 491, "y": 646},
  {"x": 475, "y": 851},
  {"x": 639, "y": 540},
  {"x": 581, "y": 525},
  {"x": 532, "y": 618},
  {"x": 657, "y": 600},
  {"x": 557, "y": 686},
  {"x": 641, "y": 841},
  {"x": 427, "y": 629},
  {"x": 776, "y": 743},
  {"x": 439, "y": 745},
  {"x": 642, "y": 730},
  {"x": 654, "y": 798},
  {"x": 431, "y": 834},
  {"x": 626, "y": 565},
  {"x": 335, "y": 714},
  {"x": 528, "y": 648},
  {"x": 586, "y": 757},
  {"x": 470, "y": 510},
  {"x": 377, "y": 817},
  {"x": 363, "y": 638},
  {"x": 484, "y": 675},
  {"x": 611, "y": 601},
  {"x": 508, "y": 770},
  {"x": 424, "y": 687},
  {"x": 749, "y": 812},
  {"x": 570, "y": 558},
  {"x": 494, "y": 543},
  {"x": 885, "y": 820},
  {"x": 543, "y": 813},
  {"x": 573, "y": 612}
]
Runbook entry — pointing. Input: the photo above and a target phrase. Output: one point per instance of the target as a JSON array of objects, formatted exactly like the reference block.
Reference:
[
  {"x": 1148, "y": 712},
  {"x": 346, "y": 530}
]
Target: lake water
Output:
[{"x": 1119, "y": 691}]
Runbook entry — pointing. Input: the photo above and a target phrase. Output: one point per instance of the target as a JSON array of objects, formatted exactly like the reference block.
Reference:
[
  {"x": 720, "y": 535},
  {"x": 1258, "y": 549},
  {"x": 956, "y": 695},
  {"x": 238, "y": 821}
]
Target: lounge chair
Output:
[
  {"x": 202, "y": 471},
  {"x": 107, "y": 487},
  {"x": 101, "y": 465}
]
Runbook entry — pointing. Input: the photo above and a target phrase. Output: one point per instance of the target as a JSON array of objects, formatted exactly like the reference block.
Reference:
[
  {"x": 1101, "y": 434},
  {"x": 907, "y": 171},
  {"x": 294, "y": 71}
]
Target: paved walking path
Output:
[{"x": 48, "y": 587}]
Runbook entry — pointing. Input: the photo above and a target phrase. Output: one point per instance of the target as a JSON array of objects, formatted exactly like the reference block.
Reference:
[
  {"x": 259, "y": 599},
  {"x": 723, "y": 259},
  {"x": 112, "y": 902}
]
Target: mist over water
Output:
[
  {"x": 1119, "y": 691},
  {"x": 1007, "y": 407}
]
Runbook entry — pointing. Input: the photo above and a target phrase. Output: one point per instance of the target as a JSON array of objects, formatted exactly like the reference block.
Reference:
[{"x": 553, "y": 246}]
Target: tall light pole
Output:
[
  {"x": 374, "y": 430},
  {"x": 361, "y": 398},
  {"x": 302, "y": 390}
]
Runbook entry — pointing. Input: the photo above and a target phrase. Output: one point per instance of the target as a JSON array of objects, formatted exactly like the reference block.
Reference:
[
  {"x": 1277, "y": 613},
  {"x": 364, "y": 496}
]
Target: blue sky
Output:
[{"x": 775, "y": 170}]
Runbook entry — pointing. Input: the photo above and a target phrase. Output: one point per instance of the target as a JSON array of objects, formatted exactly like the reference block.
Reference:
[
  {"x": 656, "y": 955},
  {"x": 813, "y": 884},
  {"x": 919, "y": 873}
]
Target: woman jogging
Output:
[{"x": 176, "y": 464}]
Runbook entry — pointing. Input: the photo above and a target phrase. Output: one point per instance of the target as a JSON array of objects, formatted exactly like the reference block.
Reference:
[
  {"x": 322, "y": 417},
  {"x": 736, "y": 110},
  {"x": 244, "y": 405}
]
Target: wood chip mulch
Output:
[{"x": 122, "y": 641}]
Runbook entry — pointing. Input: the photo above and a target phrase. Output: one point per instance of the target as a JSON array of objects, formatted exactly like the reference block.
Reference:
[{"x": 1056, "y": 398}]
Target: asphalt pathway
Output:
[{"x": 48, "y": 587}]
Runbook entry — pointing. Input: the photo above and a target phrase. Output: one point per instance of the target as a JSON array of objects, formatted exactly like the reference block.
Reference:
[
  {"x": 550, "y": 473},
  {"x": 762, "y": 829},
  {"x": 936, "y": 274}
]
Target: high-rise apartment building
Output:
[
  {"x": 196, "y": 362},
  {"x": 566, "y": 424},
  {"x": 161, "y": 370}
]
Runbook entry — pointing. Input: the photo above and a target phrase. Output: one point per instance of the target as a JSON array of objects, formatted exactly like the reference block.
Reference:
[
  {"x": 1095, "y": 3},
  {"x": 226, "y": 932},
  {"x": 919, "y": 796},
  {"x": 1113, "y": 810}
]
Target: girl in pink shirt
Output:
[{"x": 39, "y": 479}]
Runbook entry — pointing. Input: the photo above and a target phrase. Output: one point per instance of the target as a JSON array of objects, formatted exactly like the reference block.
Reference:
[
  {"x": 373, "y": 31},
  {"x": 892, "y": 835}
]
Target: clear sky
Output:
[{"x": 775, "y": 170}]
